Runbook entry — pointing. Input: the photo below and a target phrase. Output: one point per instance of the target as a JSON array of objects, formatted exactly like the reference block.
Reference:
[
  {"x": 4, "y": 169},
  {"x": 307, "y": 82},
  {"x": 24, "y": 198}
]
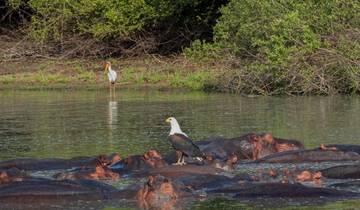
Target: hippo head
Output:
[
  {"x": 114, "y": 158},
  {"x": 267, "y": 137},
  {"x": 157, "y": 191},
  {"x": 209, "y": 158},
  {"x": 233, "y": 158},
  {"x": 4, "y": 177},
  {"x": 102, "y": 160},
  {"x": 306, "y": 176},
  {"x": 154, "y": 159},
  {"x": 103, "y": 172},
  {"x": 272, "y": 172},
  {"x": 10, "y": 175},
  {"x": 153, "y": 154}
]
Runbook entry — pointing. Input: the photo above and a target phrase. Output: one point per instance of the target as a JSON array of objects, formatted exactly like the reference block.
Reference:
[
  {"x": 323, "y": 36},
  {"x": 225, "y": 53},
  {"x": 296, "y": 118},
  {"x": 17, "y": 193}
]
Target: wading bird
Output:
[
  {"x": 182, "y": 143},
  {"x": 111, "y": 75}
]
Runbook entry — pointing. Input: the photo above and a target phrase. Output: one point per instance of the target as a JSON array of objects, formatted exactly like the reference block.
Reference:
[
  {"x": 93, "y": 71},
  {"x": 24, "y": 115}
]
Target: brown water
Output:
[{"x": 87, "y": 123}]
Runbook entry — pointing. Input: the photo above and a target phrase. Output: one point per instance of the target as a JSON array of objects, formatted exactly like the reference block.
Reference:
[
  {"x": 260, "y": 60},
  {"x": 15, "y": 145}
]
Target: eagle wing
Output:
[{"x": 185, "y": 145}]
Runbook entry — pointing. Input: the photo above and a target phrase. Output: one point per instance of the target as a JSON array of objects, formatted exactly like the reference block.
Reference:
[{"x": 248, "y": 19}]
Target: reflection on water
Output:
[
  {"x": 112, "y": 115},
  {"x": 77, "y": 123}
]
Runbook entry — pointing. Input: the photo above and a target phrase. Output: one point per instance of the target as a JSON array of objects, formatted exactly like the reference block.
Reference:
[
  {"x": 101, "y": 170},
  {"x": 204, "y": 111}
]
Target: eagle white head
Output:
[{"x": 175, "y": 127}]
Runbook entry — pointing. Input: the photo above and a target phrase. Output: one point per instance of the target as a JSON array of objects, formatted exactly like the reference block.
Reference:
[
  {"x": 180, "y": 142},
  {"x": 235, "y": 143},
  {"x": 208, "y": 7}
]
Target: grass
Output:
[
  {"x": 223, "y": 203},
  {"x": 175, "y": 73}
]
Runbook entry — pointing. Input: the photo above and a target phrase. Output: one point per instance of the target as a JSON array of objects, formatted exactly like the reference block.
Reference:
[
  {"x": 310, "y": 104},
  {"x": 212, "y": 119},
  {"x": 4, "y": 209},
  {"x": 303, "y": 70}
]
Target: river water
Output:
[
  {"x": 84, "y": 123},
  {"x": 87, "y": 123}
]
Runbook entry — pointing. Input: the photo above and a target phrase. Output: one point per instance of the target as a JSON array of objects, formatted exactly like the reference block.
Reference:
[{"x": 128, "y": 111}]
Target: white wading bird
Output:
[{"x": 111, "y": 75}]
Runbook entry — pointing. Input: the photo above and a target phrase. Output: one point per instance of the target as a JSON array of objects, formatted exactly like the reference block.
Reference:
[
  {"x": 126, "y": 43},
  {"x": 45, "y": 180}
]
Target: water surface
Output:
[{"x": 85, "y": 123}]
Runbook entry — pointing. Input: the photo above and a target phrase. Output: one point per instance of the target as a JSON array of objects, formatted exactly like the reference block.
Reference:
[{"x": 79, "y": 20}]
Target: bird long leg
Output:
[
  {"x": 182, "y": 160},
  {"x": 114, "y": 88},
  {"x": 179, "y": 156},
  {"x": 177, "y": 162},
  {"x": 110, "y": 89}
]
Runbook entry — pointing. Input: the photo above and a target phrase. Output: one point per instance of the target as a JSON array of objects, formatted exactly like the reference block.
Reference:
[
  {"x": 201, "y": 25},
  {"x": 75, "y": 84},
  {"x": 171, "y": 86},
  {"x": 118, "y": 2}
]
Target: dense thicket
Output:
[
  {"x": 287, "y": 46},
  {"x": 133, "y": 26},
  {"x": 261, "y": 47}
]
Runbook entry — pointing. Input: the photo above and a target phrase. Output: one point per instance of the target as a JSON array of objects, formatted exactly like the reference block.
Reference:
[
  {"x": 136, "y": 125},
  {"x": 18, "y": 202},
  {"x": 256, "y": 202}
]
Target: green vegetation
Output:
[
  {"x": 264, "y": 47},
  {"x": 116, "y": 26},
  {"x": 294, "y": 47},
  {"x": 223, "y": 203},
  {"x": 89, "y": 73}
]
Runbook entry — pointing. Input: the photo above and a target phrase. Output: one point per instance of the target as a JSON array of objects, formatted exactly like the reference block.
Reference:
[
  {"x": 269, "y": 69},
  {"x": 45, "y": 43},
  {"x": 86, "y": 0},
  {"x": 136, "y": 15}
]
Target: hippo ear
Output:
[
  {"x": 146, "y": 156},
  {"x": 3, "y": 175}
]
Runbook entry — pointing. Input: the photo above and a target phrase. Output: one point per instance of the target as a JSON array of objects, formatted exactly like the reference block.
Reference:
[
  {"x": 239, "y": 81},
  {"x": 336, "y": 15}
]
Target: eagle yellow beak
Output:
[{"x": 168, "y": 120}]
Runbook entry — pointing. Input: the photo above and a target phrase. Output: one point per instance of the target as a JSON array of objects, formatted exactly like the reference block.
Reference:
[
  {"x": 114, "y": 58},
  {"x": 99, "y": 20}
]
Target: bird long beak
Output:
[
  {"x": 106, "y": 67},
  {"x": 168, "y": 120}
]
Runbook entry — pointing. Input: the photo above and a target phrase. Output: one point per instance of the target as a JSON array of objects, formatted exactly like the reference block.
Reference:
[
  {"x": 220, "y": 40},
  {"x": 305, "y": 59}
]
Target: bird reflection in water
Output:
[{"x": 112, "y": 114}]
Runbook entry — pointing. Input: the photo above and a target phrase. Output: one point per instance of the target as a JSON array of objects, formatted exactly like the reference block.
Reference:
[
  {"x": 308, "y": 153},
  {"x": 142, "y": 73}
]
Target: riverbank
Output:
[{"x": 136, "y": 73}]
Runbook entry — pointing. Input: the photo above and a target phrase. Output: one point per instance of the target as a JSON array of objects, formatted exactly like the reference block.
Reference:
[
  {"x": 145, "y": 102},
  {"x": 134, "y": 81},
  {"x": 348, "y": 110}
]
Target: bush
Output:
[
  {"x": 293, "y": 47},
  {"x": 123, "y": 24}
]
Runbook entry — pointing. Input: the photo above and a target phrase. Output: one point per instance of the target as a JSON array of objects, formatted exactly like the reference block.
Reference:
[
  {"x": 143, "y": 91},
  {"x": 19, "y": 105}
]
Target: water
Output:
[
  {"x": 66, "y": 124},
  {"x": 84, "y": 123}
]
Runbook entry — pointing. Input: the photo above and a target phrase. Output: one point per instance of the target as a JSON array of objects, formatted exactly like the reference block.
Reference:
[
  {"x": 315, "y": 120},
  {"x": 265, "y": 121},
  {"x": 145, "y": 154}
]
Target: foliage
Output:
[
  {"x": 256, "y": 47},
  {"x": 146, "y": 24},
  {"x": 293, "y": 47}
]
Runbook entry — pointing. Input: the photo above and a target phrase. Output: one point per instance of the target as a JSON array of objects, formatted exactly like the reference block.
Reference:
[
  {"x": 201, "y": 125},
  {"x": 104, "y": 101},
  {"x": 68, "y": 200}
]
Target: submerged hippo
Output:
[
  {"x": 342, "y": 172},
  {"x": 353, "y": 186},
  {"x": 178, "y": 171},
  {"x": 160, "y": 192},
  {"x": 341, "y": 147},
  {"x": 57, "y": 163},
  {"x": 12, "y": 175},
  {"x": 227, "y": 165},
  {"x": 43, "y": 190},
  {"x": 209, "y": 183},
  {"x": 137, "y": 163},
  {"x": 100, "y": 172},
  {"x": 249, "y": 146},
  {"x": 313, "y": 155},
  {"x": 254, "y": 190}
]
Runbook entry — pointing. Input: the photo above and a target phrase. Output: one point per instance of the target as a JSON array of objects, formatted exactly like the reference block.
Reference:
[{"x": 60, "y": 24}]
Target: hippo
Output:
[
  {"x": 249, "y": 146},
  {"x": 137, "y": 163},
  {"x": 313, "y": 155},
  {"x": 57, "y": 163},
  {"x": 12, "y": 175},
  {"x": 353, "y": 186},
  {"x": 342, "y": 172},
  {"x": 342, "y": 147},
  {"x": 242, "y": 190},
  {"x": 42, "y": 190},
  {"x": 220, "y": 148},
  {"x": 100, "y": 172},
  {"x": 282, "y": 145},
  {"x": 178, "y": 171},
  {"x": 228, "y": 165},
  {"x": 307, "y": 176},
  {"x": 285, "y": 190},
  {"x": 160, "y": 192},
  {"x": 208, "y": 182}
]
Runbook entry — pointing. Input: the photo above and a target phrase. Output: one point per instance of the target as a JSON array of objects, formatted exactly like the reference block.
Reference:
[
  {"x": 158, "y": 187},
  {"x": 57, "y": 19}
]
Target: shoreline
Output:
[{"x": 85, "y": 74}]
